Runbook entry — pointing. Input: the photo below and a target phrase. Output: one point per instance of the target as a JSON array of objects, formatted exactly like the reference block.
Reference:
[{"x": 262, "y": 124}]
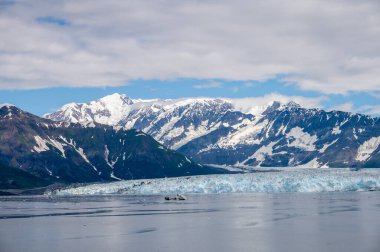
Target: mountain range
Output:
[
  {"x": 117, "y": 138},
  {"x": 45, "y": 151},
  {"x": 229, "y": 132}
]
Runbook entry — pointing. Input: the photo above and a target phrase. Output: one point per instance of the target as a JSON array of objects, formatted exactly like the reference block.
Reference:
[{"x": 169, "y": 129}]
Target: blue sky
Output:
[
  {"x": 52, "y": 20},
  {"x": 55, "y": 52}
]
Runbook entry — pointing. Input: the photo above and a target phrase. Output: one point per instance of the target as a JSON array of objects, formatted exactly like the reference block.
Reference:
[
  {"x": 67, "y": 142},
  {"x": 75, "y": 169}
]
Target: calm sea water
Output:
[{"x": 344, "y": 221}]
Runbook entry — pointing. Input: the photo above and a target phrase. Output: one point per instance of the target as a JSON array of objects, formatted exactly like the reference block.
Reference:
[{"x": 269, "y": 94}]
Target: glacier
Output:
[{"x": 262, "y": 181}]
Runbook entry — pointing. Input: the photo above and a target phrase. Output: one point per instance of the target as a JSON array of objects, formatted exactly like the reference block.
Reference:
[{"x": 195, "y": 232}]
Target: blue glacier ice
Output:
[{"x": 281, "y": 180}]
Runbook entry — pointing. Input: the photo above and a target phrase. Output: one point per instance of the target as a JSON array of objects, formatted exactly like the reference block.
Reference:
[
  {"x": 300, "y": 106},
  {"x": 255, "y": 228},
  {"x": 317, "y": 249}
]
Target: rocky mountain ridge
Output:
[
  {"x": 69, "y": 152},
  {"x": 217, "y": 131}
]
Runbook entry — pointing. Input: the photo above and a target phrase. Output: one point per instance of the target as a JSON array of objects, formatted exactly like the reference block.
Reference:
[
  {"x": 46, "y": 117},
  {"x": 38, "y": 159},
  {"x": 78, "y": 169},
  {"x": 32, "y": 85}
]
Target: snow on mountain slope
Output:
[
  {"x": 367, "y": 148},
  {"x": 108, "y": 110},
  {"x": 235, "y": 131},
  {"x": 301, "y": 139}
]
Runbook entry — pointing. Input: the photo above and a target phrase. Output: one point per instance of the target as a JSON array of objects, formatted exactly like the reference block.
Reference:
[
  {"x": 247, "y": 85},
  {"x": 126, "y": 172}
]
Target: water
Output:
[{"x": 327, "y": 221}]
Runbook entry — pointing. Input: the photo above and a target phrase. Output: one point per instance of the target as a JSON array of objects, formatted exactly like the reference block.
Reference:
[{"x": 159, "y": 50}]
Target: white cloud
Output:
[
  {"x": 327, "y": 46},
  {"x": 209, "y": 85},
  {"x": 347, "y": 107},
  {"x": 376, "y": 95},
  {"x": 373, "y": 110}
]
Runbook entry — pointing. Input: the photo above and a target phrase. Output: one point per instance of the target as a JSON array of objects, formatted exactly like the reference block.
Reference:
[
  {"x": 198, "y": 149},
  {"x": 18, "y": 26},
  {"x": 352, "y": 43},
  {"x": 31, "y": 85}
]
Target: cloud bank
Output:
[{"x": 326, "y": 46}]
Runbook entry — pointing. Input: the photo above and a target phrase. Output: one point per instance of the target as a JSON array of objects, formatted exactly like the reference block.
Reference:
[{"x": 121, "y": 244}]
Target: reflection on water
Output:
[{"x": 227, "y": 222}]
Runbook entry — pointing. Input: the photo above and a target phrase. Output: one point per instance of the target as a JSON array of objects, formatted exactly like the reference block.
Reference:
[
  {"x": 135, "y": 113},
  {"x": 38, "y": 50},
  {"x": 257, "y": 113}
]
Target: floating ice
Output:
[{"x": 283, "y": 180}]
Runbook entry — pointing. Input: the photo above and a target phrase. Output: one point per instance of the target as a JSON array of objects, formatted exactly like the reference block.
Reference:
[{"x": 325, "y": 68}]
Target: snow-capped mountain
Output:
[
  {"x": 227, "y": 131},
  {"x": 67, "y": 152}
]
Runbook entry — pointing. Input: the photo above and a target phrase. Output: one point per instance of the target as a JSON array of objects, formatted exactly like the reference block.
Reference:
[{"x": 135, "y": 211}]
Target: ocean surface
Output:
[
  {"x": 266, "y": 210},
  {"x": 312, "y": 221}
]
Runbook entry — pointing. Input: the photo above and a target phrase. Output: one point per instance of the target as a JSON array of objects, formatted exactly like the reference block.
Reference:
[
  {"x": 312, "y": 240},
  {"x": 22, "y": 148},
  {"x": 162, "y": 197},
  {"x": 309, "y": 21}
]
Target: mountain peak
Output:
[
  {"x": 9, "y": 111},
  {"x": 116, "y": 98},
  {"x": 6, "y": 108},
  {"x": 275, "y": 104},
  {"x": 292, "y": 104},
  {"x": 7, "y": 105},
  {"x": 272, "y": 107}
]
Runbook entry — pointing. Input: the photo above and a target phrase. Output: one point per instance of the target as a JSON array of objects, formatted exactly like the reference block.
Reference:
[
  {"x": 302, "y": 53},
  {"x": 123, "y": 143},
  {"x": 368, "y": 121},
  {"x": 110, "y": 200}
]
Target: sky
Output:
[{"x": 323, "y": 54}]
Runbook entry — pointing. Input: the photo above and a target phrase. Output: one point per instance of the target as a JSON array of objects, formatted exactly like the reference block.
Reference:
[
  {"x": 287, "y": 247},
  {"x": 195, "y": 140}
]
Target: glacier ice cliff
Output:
[{"x": 273, "y": 181}]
